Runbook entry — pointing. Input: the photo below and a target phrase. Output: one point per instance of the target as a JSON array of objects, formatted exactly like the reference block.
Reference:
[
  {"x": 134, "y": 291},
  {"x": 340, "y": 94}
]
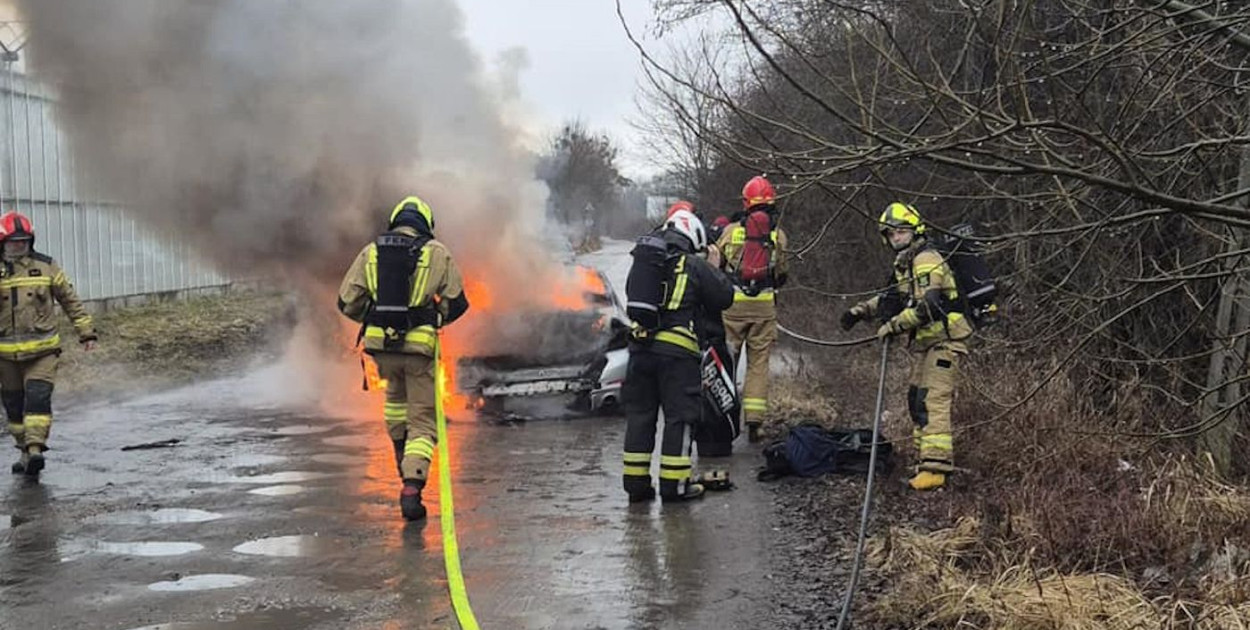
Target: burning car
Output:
[{"x": 553, "y": 362}]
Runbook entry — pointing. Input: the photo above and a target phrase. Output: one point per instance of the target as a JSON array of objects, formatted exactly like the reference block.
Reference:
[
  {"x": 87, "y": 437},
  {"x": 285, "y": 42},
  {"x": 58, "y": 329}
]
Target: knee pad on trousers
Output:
[
  {"x": 14, "y": 405},
  {"x": 916, "y": 407},
  {"x": 38, "y": 396}
]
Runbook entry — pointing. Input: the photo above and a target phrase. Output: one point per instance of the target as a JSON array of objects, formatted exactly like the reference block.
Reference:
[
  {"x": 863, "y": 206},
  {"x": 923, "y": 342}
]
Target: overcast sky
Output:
[{"x": 580, "y": 63}]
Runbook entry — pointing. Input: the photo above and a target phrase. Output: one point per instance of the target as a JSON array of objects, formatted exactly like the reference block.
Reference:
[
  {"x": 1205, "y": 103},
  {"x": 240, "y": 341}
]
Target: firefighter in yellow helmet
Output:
[
  {"x": 753, "y": 250},
  {"x": 923, "y": 304},
  {"x": 403, "y": 287},
  {"x": 31, "y": 284}
]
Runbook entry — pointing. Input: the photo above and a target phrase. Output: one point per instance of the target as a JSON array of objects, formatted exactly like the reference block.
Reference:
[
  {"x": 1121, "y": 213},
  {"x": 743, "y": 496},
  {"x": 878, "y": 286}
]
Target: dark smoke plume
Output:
[{"x": 275, "y": 135}]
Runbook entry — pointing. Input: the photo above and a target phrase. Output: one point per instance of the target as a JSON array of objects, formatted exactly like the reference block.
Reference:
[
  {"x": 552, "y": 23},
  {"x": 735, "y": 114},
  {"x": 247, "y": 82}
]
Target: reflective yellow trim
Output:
[
  {"x": 675, "y": 475},
  {"x": 83, "y": 322},
  {"x": 421, "y": 335},
  {"x": 16, "y": 430},
  {"x": 638, "y": 471},
  {"x": 38, "y": 420},
  {"x": 938, "y": 441},
  {"x": 10, "y": 345},
  {"x": 26, "y": 281},
  {"x": 679, "y": 285},
  {"x": 738, "y": 236},
  {"x": 395, "y": 413},
  {"x": 421, "y": 446},
  {"x": 755, "y": 404},
  {"x": 423, "y": 278},
  {"x": 674, "y": 460},
  {"x": 921, "y": 270},
  {"x": 371, "y": 269},
  {"x": 763, "y": 296},
  {"x": 679, "y": 337},
  {"x": 637, "y": 458}
]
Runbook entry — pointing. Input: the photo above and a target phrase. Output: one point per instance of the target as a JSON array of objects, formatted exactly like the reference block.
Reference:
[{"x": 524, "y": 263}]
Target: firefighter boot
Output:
[
  {"x": 34, "y": 460},
  {"x": 19, "y": 466},
  {"x": 410, "y": 500},
  {"x": 398, "y": 445},
  {"x": 927, "y": 480},
  {"x": 642, "y": 496},
  {"x": 753, "y": 432}
]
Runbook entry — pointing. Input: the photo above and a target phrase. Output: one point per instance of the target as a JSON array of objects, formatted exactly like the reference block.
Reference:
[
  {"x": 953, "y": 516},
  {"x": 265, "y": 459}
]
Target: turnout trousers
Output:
[
  {"x": 930, "y": 395},
  {"x": 26, "y": 390},
  {"x": 409, "y": 410},
  {"x": 654, "y": 382}
]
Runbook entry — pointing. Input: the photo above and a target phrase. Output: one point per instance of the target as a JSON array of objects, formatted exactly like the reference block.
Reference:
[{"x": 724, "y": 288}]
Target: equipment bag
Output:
[
  {"x": 645, "y": 286},
  {"x": 398, "y": 256},
  {"x": 810, "y": 450},
  {"x": 722, "y": 396},
  {"x": 756, "y": 265},
  {"x": 978, "y": 293}
]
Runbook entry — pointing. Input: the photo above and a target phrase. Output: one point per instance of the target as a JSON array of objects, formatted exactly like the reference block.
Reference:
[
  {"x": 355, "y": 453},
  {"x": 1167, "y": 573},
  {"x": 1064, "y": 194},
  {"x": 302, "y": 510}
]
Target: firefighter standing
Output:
[
  {"x": 29, "y": 343},
  {"x": 752, "y": 320},
  {"x": 925, "y": 289},
  {"x": 663, "y": 370},
  {"x": 403, "y": 287}
]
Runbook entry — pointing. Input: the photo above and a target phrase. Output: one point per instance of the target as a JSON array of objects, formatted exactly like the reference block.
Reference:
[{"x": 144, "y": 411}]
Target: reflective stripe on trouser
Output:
[
  {"x": 753, "y": 324},
  {"x": 410, "y": 385},
  {"x": 654, "y": 382},
  {"x": 930, "y": 395},
  {"x": 26, "y": 391}
]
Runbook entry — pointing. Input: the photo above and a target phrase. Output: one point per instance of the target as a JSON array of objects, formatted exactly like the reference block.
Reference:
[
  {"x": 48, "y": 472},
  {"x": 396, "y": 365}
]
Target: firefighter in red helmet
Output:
[
  {"x": 30, "y": 282},
  {"x": 753, "y": 251}
]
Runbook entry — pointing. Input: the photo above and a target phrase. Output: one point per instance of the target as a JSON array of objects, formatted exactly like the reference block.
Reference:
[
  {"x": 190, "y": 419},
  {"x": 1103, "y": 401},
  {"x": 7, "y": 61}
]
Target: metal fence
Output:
[{"x": 105, "y": 253}]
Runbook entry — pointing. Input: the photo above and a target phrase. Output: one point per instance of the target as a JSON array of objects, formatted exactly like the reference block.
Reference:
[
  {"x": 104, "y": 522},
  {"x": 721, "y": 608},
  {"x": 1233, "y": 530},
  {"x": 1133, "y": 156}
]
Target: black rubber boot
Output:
[
  {"x": 399, "y": 456},
  {"x": 753, "y": 432},
  {"x": 642, "y": 496},
  {"x": 35, "y": 462},
  {"x": 19, "y": 466},
  {"x": 410, "y": 500}
]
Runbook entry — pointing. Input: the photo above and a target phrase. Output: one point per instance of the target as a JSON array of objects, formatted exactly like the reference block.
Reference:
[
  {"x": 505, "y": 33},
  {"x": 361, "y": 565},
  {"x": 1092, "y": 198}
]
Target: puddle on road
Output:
[
  {"x": 305, "y": 429},
  {"x": 148, "y": 549},
  {"x": 358, "y": 441},
  {"x": 277, "y": 491},
  {"x": 288, "y": 546},
  {"x": 292, "y": 618},
  {"x": 158, "y": 517},
  {"x": 290, "y": 476},
  {"x": 208, "y": 581},
  {"x": 345, "y": 459},
  {"x": 253, "y": 459}
]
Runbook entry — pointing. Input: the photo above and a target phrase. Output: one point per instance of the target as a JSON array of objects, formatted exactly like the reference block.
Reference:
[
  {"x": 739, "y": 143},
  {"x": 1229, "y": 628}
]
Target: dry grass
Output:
[
  {"x": 934, "y": 587},
  {"x": 169, "y": 343}
]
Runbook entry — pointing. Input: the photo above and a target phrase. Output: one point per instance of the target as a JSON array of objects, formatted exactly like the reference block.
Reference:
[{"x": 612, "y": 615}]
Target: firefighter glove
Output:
[
  {"x": 851, "y": 317},
  {"x": 889, "y": 329}
]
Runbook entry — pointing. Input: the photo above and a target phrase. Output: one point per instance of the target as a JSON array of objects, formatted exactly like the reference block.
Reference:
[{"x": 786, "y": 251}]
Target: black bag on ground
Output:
[{"x": 810, "y": 450}]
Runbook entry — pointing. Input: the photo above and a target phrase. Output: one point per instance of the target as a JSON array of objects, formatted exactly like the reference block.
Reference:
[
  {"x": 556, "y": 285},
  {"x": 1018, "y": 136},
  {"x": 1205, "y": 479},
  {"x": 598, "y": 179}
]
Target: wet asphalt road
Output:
[{"x": 267, "y": 515}]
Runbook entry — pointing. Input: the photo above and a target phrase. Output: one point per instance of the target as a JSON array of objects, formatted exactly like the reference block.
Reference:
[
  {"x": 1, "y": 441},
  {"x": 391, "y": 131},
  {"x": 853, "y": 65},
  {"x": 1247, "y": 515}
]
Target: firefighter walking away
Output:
[
  {"x": 669, "y": 285},
  {"x": 30, "y": 346},
  {"x": 403, "y": 287},
  {"x": 753, "y": 254},
  {"x": 923, "y": 303}
]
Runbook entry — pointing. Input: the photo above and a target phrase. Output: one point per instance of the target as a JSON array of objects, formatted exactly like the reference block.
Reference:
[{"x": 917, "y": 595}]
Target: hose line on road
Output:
[
  {"x": 447, "y": 510},
  {"x": 867, "y": 511}
]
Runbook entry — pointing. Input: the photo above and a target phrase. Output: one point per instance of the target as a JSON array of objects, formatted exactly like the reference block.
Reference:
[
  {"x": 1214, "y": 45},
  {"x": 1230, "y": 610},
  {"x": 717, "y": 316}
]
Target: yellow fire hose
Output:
[{"x": 447, "y": 510}]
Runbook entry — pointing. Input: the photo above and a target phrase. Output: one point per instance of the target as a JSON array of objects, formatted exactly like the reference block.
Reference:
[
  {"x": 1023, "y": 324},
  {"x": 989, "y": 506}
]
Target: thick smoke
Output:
[{"x": 275, "y": 135}]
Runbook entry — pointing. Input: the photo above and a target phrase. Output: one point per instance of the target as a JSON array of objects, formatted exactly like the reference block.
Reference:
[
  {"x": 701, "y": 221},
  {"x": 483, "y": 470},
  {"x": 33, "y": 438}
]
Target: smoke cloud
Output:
[{"x": 276, "y": 135}]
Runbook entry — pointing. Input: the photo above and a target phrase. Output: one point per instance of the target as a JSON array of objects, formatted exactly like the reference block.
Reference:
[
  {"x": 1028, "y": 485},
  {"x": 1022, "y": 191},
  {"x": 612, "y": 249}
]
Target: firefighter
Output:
[
  {"x": 663, "y": 370},
  {"x": 926, "y": 297},
  {"x": 752, "y": 320},
  {"x": 29, "y": 342},
  {"x": 403, "y": 287}
]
